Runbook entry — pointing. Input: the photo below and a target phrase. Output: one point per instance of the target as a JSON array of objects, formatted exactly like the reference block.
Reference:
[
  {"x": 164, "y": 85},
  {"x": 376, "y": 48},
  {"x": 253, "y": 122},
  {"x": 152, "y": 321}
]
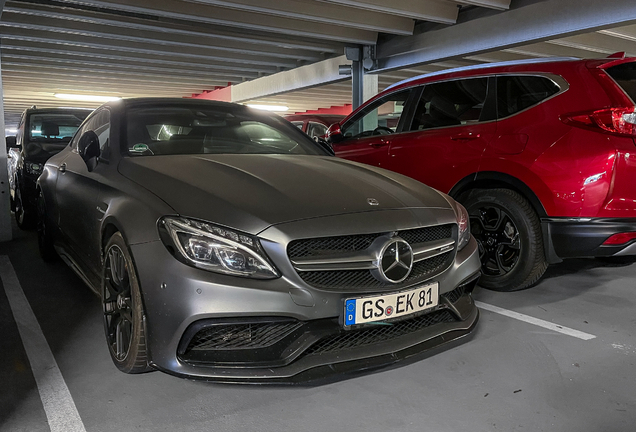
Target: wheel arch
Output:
[{"x": 493, "y": 180}]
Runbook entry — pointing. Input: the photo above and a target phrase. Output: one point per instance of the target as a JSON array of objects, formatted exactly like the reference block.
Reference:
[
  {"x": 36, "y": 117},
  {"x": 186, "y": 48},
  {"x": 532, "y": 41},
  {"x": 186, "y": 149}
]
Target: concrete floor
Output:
[{"x": 512, "y": 376}]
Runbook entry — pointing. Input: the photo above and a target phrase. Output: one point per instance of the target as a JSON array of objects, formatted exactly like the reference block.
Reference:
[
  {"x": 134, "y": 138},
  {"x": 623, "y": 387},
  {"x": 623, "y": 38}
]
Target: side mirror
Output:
[
  {"x": 334, "y": 134},
  {"x": 11, "y": 143},
  {"x": 325, "y": 144},
  {"x": 88, "y": 149}
]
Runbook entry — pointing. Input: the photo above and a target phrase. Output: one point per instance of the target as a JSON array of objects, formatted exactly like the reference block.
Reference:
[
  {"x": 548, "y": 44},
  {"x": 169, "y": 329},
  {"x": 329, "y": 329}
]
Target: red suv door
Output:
[
  {"x": 366, "y": 137},
  {"x": 451, "y": 126}
]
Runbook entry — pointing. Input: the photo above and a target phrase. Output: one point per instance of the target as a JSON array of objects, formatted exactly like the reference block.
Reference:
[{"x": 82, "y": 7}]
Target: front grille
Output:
[
  {"x": 455, "y": 294},
  {"x": 334, "y": 245},
  {"x": 363, "y": 280},
  {"x": 379, "y": 333},
  {"x": 241, "y": 336}
]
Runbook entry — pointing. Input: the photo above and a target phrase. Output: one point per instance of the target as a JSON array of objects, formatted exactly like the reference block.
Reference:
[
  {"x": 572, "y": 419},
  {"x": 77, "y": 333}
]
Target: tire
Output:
[
  {"x": 123, "y": 309},
  {"x": 24, "y": 218},
  {"x": 508, "y": 233},
  {"x": 45, "y": 233}
]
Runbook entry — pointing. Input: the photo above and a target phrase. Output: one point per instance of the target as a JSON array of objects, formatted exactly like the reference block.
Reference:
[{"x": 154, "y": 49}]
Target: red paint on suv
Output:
[{"x": 541, "y": 153}]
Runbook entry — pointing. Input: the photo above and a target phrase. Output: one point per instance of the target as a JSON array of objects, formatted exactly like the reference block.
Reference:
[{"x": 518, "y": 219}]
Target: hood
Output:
[{"x": 252, "y": 192}]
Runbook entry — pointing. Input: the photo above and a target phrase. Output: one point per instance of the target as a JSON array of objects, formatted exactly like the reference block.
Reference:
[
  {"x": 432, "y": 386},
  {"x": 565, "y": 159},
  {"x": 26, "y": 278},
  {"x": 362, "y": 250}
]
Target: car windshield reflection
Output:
[{"x": 193, "y": 130}]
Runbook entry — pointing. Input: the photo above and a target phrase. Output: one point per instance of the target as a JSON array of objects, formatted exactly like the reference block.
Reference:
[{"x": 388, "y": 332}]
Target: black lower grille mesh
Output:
[
  {"x": 242, "y": 336},
  {"x": 363, "y": 280},
  {"x": 379, "y": 333},
  {"x": 455, "y": 294}
]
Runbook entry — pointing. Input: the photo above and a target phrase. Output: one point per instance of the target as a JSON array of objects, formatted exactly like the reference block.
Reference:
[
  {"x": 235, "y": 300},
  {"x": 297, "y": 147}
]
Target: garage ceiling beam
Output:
[
  {"x": 12, "y": 22},
  {"x": 316, "y": 74},
  {"x": 36, "y": 48},
  {"x": 440, "y": 11},
  {"x": 526, "y": 22},
  {"x": 156, "y": 48},
  {"x": 492, "y": 4},
  {"x": 196, "y": 12},
  {"x": 334, "y": 14},
  {"x": 194, "y": 29},
  {"x": 43, "y": 59}
]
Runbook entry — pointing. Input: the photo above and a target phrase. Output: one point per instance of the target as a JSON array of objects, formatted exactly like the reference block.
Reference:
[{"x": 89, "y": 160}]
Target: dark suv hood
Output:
[{"x": 252, "y": 192}]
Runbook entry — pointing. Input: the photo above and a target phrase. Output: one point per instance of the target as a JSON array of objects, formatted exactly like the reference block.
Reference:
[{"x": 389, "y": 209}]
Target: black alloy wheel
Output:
[
  {"x": 45, "y": 234},
  {"x": 498, "y": 240},
  {"x": 122, "y": 308},
  {"x": 509, "y": 237}
]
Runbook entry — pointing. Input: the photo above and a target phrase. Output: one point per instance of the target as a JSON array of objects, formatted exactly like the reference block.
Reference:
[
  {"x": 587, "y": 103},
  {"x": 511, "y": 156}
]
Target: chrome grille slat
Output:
[{"x": 344, "y": 263}]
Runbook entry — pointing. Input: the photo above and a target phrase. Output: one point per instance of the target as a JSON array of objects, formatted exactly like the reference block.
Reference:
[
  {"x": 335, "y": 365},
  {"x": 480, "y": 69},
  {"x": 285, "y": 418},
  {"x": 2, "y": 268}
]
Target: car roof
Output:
[
  {"x": 485, "y": 66},
  {"x": 57, "y": 110}
]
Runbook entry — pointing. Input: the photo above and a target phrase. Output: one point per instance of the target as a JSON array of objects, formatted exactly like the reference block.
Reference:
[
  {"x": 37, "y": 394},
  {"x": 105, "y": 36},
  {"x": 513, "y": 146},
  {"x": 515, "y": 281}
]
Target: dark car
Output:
[
  {"x": 540, "y": 152},
  {"x": 226, "y": 244},
  {"x": 314, "y": 125},
  {"x": 41, "y": 134}
]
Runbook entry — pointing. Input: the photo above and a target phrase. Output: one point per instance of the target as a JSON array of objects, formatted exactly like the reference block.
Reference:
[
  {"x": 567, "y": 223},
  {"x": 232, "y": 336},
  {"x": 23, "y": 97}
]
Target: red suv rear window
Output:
[{"x": 625, "y": 75}]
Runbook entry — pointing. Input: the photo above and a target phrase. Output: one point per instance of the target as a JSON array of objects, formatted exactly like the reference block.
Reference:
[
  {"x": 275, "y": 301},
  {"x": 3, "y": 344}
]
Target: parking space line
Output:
[
  {"x": 536, "y": 321},
  {"x": 58, "y": 403}
]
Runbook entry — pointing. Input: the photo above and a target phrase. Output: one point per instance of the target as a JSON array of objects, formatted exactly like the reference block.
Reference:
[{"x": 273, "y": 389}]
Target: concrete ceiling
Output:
[
  {"x": 134, "y": 48},
  {"x": 131, "y": 48}
]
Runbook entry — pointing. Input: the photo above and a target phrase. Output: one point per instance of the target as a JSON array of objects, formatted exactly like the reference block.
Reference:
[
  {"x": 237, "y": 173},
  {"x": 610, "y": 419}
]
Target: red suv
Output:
[{"x": 541, "y": 153}]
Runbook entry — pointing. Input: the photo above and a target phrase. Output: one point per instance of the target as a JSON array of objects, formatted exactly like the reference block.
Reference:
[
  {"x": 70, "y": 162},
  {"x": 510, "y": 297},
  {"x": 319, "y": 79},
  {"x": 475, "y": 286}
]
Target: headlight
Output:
[
  {"x": 216, "y": 249},
  {"x": 34, "y": 168},
  {"x": 463, "y": 222}
]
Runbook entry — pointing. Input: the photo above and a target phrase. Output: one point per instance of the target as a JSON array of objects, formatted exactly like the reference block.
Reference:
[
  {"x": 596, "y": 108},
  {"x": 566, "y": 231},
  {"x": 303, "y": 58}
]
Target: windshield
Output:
[
  {"x": 50, "y": 132},
  {"x": 212, "y": 130}
]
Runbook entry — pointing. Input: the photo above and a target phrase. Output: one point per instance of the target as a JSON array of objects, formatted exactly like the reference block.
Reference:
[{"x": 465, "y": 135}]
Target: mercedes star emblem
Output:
[{"x": 395, "y": 261}]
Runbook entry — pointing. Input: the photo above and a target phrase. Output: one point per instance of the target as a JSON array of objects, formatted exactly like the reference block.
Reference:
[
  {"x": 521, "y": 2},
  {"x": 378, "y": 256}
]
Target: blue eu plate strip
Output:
[{"x": 350, "y": 312}]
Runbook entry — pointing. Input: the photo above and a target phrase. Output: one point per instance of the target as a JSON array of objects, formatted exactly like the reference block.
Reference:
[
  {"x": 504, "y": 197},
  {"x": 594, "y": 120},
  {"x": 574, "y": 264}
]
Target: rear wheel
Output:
[
  {"x": 508, "y": 234},
  {"x": 123, "y": 309},
  {"x": 24, "y": 218}
]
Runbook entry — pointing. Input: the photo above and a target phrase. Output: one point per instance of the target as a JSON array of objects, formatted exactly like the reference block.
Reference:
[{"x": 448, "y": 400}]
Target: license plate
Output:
[{"x": 363, "y": 310}]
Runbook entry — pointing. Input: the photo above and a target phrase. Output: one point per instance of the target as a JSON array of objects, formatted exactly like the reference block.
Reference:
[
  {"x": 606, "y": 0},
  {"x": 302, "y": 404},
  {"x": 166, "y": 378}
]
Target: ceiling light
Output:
[
  {"x": 275, "y": 108},
  {"x": 86, "y": 98},
  {"x": 10, "y": 131}
]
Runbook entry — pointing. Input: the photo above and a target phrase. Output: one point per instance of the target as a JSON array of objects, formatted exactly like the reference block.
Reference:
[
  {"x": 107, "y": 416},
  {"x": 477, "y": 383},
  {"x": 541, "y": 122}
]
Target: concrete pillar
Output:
[
  {"x": 357, "y": 82},
  {"x": 5, "y": 210},
  {"x": 369, "y": 86}
]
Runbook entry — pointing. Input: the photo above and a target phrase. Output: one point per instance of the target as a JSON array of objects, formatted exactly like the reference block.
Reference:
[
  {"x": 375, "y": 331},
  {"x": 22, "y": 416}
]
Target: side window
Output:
[
  {"x": 298, "y": 124},
  {"x": 516, "y": 93},
  {"x": 316, "y": 129},
  {"x": 379, "y": 118},
  {"x": 99, "y": 123},
  {"x": 451, "y": 103}
]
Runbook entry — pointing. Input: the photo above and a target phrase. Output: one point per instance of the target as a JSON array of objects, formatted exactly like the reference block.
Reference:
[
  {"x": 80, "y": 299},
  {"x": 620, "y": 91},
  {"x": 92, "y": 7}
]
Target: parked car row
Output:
[{"x": 226, "y": 244}]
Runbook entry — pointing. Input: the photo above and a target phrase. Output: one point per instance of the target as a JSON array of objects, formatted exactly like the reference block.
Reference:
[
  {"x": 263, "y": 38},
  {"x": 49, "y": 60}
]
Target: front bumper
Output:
[
  {"x": 180, "y": 301},
  {"x": 584, "y": 237}
]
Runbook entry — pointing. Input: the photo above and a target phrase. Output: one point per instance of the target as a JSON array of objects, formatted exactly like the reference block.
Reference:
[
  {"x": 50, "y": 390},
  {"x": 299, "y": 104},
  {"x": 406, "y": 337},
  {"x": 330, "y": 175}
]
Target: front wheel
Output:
[
  {"x": 123, "y": 309},
  {"x": 508, "y": 234}
]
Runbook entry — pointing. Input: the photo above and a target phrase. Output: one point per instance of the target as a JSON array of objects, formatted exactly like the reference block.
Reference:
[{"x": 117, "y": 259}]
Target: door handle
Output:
[
  {"x": 465, "y": 136},
  {"x": 379, "y": 144},
  {"x": 62, "y": 168}
]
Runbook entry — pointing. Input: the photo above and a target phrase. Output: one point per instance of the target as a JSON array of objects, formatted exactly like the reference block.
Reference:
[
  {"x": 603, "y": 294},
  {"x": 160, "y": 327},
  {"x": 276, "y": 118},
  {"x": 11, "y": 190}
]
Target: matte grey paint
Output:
[{"x": 280, "y": 197}]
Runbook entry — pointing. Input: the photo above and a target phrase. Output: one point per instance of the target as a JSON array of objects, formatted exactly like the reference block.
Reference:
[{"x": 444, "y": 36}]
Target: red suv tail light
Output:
[{"x": 617, "y": 121}]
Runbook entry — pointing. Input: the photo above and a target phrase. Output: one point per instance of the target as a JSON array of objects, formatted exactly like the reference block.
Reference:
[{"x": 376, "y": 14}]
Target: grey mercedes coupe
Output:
[{"x": 227, "y": 245}]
